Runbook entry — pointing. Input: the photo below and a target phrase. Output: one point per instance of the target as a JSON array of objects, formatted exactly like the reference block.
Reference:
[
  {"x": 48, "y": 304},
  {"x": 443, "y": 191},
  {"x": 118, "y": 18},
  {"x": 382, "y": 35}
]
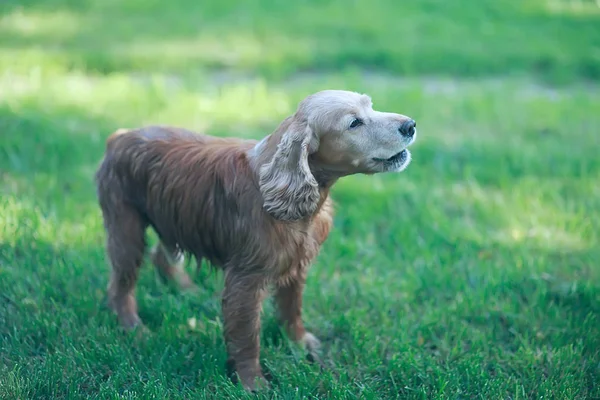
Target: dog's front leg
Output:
[
  {"x": 242, "y": 304},
  {"x": 288, "y": 297}
]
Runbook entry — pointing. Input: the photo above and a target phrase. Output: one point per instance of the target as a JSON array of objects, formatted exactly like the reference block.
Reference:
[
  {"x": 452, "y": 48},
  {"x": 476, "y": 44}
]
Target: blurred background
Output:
[{"x": 473, "y": 274}]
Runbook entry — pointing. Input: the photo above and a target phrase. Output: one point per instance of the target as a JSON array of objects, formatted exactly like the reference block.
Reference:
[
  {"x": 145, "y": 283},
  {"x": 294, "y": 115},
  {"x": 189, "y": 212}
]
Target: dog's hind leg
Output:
[
  {"x": 125, "y": 244},
  {"x": 169, "y": 262}
]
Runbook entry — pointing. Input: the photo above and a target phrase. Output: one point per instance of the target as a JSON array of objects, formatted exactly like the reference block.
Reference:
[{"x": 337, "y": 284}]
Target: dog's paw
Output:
[
  {"x": 313, "y": 348},
  {"x": 311, "y": 343},
  {"x": 251, "y": 381},
  {"x": 255, "y": 383}
]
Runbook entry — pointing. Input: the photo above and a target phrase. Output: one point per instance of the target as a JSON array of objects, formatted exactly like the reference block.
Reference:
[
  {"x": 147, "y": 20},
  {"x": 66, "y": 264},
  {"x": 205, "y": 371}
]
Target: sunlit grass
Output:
[
  {"x": 57, "y": 23},
  {"x": 573, "y": 7}
]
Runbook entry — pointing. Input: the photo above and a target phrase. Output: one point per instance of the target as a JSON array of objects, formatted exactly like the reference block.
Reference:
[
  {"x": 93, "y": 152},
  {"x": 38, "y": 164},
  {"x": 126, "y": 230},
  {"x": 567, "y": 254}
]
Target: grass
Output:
[
  {"x": 557, "y": 39},
  {"x": 474, "y": 274}
]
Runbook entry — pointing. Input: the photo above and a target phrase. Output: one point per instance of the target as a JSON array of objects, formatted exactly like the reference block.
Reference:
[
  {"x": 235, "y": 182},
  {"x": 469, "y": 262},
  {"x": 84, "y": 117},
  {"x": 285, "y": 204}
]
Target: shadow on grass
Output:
[{"x": 61, "y": 145}]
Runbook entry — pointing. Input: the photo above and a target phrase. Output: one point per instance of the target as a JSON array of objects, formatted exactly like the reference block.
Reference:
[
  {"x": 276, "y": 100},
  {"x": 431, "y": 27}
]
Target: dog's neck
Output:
[{"x": 326, "y": 179}]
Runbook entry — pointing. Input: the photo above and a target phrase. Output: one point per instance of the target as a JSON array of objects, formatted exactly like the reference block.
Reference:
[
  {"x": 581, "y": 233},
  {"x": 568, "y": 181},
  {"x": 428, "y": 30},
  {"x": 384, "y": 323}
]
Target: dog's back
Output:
[
  {"x": 180, "y": 183},
  {"x": 130, "y": 160}
]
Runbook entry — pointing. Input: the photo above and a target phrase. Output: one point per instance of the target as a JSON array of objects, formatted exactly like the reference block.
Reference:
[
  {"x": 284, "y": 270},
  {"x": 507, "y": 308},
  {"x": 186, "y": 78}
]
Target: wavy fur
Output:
[{"x": 258, "y": 210}]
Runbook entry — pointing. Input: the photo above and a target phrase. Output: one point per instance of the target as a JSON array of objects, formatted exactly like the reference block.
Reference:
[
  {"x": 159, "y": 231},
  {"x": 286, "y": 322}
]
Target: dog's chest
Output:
[{"x": 294, "y": 251}]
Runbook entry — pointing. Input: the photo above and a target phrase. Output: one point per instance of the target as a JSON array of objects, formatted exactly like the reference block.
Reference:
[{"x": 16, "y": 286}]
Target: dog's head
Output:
[{"x": 333, "y": 133}]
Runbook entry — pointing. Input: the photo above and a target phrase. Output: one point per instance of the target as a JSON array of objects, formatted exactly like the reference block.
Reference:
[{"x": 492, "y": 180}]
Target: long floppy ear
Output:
[{"x": 290, "y": 191}]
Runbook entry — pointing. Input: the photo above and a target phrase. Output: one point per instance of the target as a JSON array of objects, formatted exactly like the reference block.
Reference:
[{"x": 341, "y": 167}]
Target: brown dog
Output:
[{"x": 258, "y": 210}]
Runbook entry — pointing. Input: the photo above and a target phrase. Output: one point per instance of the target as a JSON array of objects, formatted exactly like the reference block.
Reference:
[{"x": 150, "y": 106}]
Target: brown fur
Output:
[{"x": 258, "y": 210}]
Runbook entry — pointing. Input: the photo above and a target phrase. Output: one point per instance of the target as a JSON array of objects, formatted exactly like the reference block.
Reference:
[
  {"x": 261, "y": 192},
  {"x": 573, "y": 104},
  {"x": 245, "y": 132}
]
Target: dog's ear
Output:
[{"x": 290, "y": 191}]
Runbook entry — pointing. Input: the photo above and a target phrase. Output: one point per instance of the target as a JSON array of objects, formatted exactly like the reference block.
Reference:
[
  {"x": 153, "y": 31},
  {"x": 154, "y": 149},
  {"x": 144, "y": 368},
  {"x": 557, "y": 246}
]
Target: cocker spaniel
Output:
[{"x": 259, "y": 210}]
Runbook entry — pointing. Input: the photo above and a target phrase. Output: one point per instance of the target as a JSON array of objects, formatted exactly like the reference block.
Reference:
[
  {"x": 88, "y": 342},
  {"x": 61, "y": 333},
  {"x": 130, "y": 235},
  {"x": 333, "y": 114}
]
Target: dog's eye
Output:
[{"x": 356, "y": 122}]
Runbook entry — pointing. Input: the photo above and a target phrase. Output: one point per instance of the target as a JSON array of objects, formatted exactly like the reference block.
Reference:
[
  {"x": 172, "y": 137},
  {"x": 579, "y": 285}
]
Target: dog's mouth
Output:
[
  {"x": 395, "y": 159},
  {"x": 398, "y": 162}
]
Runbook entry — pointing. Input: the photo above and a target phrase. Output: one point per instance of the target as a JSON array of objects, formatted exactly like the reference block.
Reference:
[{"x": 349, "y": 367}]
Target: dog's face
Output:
[
  {"x": 350, "y": 137},
  {"x": 333, "y": 133}
]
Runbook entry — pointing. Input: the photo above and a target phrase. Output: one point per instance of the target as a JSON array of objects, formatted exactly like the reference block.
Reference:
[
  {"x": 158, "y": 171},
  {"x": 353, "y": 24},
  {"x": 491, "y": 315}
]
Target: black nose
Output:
[{"x": 408, "y": 128}]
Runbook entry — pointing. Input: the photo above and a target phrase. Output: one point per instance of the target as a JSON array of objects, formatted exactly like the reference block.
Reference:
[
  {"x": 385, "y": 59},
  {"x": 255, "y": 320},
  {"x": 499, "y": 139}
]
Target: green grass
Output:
[
  {"x": 557, "y": 39},
  {"x": 474, "y": 274}
]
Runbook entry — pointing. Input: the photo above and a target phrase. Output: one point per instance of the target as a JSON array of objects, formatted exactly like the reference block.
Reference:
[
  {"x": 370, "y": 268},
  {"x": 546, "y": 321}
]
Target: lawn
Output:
[{"x": 473, "y": 274}]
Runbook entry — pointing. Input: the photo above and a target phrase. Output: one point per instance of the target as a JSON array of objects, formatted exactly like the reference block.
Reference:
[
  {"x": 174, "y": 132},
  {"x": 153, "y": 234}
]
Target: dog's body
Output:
[{"x": 260, "y": 210}]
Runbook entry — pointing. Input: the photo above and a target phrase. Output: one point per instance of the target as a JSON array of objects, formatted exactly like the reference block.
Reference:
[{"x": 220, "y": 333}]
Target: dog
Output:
[{"x": 258, "y": 210}]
